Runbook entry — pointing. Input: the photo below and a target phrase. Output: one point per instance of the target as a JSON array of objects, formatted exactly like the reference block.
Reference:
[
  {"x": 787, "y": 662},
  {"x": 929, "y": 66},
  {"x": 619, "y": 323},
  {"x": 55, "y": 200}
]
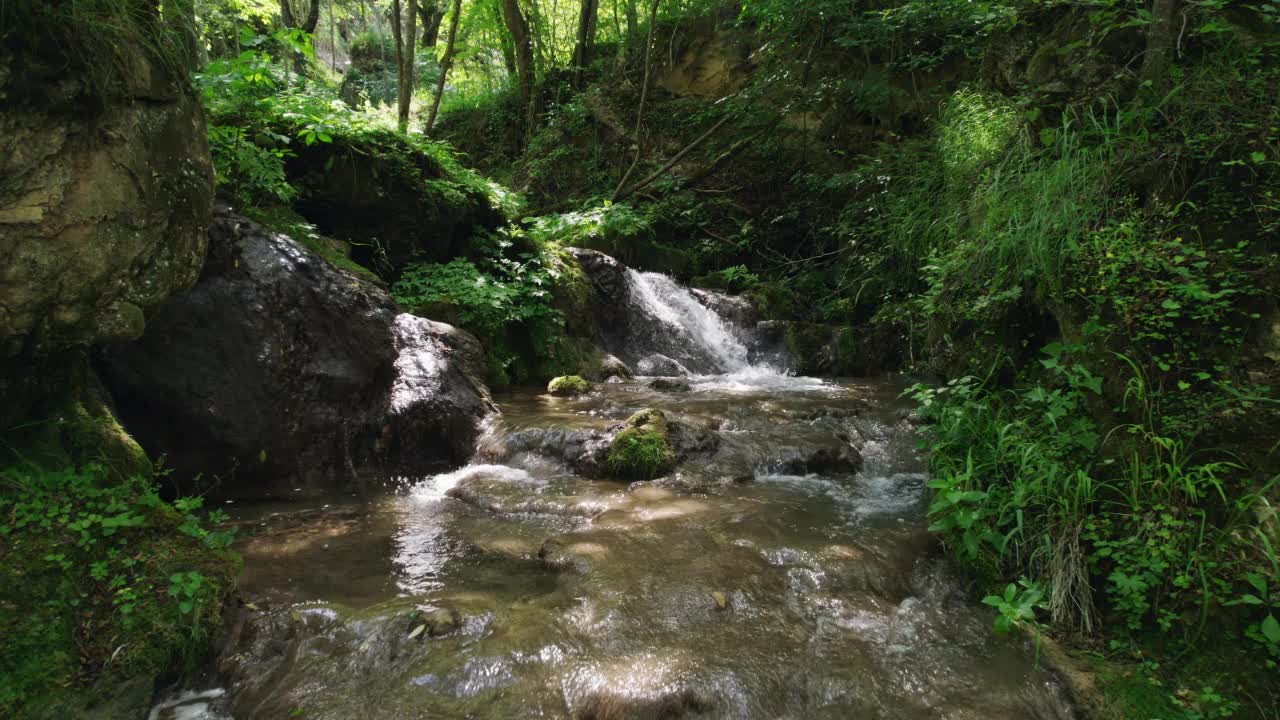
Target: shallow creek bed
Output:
[{"x": 783, "y": 570}]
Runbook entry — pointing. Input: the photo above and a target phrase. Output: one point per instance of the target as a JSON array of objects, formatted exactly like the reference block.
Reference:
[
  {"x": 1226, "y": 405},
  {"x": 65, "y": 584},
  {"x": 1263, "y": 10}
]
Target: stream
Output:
[{"x": 784, "y": 570}]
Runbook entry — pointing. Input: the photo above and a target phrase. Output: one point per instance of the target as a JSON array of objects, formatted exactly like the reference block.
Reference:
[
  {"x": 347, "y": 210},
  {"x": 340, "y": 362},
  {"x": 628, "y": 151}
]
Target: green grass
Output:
[{"x": 87, "y": 592}]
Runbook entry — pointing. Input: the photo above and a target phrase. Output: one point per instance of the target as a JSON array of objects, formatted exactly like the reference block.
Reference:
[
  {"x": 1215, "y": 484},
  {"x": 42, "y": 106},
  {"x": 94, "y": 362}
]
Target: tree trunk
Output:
[
  {"x": 1161, "y": 37},
  {"x": 585, "y": 43},
  {"x": 633, "y": 20},
  {"x": 445, "y": 63},
  {"x": 432, "y": 14},
  {"x": 308, "y": 23},
  {"x": 518, "y": 25},
  {"x": 406, "y": 39}
]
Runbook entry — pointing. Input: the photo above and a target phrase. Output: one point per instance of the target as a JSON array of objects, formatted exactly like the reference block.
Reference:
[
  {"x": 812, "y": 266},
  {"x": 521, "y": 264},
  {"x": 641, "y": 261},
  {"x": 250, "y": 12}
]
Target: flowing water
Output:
[{"x": 783, "y": 571}]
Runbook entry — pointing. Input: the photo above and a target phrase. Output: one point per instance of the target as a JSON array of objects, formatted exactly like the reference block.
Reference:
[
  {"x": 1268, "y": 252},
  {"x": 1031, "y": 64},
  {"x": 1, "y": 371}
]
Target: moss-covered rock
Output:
[
  {"x": 394, "y": 199},
  {"x": 642, "y": 450},
  {"x": 105, "y": 192},
  {"x": 568, "y": 386}
]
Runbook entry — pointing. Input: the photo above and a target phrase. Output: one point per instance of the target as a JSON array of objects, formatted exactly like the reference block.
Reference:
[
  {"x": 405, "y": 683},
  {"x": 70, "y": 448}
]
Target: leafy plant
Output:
[{"x": 1016, "y": 606}]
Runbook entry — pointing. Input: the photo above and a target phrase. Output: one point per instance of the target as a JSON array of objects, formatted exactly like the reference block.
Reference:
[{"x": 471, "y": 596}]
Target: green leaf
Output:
[
  {"x": 1271, "y": 629},
  {"x": 1258, "y": 156}
]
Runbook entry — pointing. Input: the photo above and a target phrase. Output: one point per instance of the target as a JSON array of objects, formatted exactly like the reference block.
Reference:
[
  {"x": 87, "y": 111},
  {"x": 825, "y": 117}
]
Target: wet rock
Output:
[
  {"x": 557, "y": 556},
  {"x": 105, "y": 193},
  {"x": 658, "y": 365},
  {"x": 611, "y": 365},
  {"x": 691, "y": 441},
  {"x": 441, "y": 621},
  {"x": 734, "y": 309},
  {"x": 605, "y": 365},
  {"x": 827, "y": 460},
  {"x": 584, "y": 451},
  {"x": 291, "y": 373},
  {"x": 439, "y": 401},
  {"x": 663, "y": 384},
  {"x": 500, "y": 497},
  {"x": 671, "y": 703}
]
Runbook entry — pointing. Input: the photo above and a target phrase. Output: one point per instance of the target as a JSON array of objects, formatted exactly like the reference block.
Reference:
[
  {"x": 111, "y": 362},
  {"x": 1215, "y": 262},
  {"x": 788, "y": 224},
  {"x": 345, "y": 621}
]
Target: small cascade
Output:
[
  {"x": 675, "y": 330},
  {"x": 687, "y": 329}
]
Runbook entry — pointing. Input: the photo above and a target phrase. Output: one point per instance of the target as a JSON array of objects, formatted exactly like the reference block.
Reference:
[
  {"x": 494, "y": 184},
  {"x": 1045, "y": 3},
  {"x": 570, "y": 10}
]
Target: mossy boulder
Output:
[
  {"x": 568, "y": 386},
  {"x": 642, "y": 450},
  {"x": 390, "y": 197},
  {"x": 105, "y": 193}
]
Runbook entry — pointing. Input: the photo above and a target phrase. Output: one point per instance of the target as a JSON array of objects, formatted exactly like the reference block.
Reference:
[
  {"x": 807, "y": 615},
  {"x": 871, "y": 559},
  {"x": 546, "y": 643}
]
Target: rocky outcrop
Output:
[
  {"x": 278, "y": 370},
  {"x": 105, "y": 194},
  {"x": 816, "y": 349}
]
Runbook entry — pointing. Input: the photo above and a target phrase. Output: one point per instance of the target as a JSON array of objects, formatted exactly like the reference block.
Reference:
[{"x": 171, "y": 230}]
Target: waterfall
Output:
[
  {"x": 705, "y": 333},
  {"x": 692, "y": 333}
]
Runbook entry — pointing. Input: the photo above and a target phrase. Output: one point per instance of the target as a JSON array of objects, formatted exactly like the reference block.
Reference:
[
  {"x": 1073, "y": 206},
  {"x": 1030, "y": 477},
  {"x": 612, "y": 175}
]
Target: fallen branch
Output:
[
  {"x": 670, "y": 163},
  {"x": 733, "y": 150}
]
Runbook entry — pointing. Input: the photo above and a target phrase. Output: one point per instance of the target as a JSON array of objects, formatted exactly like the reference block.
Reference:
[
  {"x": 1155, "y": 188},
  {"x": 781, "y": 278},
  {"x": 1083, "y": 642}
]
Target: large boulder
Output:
[
  {"x": 105, "y": 194},
  {"x": 278, "y": 370}
]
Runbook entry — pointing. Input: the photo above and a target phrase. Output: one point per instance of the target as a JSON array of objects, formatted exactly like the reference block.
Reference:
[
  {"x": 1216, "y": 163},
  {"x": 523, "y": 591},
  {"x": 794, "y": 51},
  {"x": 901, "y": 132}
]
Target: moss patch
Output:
[
  {"x": 641, "y": 451},
  {"x": 568, "y": 386}
]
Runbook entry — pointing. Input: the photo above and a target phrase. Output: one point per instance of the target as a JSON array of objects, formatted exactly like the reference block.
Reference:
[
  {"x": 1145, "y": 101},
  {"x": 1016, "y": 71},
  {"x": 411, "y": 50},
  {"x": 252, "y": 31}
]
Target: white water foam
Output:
[{"x": 435, "y": 487}]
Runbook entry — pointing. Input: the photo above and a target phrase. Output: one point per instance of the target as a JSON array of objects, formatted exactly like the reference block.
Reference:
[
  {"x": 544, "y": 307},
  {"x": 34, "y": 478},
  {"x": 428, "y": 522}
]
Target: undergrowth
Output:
[{"x": 102, "y": 581}]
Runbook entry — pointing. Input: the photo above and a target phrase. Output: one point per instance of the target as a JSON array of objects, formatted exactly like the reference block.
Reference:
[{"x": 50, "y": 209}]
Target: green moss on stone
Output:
[
  {"x": 568, "y": 386},
  {"x": 641, "y": 451}
]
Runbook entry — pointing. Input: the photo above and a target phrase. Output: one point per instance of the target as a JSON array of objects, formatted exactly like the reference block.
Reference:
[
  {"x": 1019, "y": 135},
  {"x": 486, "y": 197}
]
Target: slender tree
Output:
[
  {"x": 404, "y": 28},
  {"x": 521, "y": 38},
  {"x": 445, "y": 63},
  {"x": 431, "y": 13},
  {"x": 644, "y": 92},
  {"x": 633, "y": 17},
  {"x": 585, "y": 42}
]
